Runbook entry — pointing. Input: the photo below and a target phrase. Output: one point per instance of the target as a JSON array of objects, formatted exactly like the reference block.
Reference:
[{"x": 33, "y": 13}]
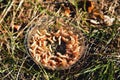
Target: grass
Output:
[{"x": 102, "y": 55}]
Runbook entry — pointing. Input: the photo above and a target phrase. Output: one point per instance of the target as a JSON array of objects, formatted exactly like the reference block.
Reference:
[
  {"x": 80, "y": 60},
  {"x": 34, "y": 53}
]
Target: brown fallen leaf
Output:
[{"x": 17, "y": 27}]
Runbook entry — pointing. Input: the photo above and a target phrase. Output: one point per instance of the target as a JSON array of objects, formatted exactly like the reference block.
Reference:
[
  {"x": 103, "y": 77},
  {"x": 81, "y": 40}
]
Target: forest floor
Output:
[{"x": 101, "y": 60}]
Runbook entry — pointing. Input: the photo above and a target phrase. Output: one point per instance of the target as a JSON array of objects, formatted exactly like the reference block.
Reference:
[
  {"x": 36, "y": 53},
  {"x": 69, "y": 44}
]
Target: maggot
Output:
[{"x": 59, "y": 40}]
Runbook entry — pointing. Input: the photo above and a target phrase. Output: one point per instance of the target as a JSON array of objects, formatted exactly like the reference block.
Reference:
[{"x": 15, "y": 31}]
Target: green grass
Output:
[{"x": 102, "y": 55}]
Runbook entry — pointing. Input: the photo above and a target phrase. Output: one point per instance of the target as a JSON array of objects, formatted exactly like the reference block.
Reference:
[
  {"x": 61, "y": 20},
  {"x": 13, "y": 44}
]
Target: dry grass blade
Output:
[
  {"x": 4, "y": 13},
  {"x": 99, "y": 24}
]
